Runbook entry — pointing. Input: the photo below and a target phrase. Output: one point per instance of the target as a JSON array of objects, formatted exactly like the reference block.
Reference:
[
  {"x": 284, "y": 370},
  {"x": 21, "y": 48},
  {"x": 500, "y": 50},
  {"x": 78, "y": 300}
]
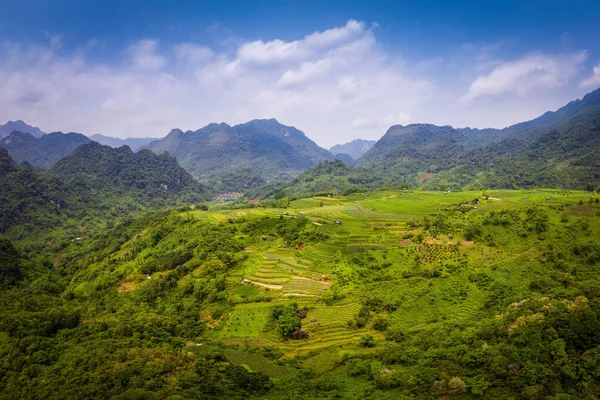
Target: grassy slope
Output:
[
  {"x": 440, "y": 283},
  {"x": 378, "y": 221}
]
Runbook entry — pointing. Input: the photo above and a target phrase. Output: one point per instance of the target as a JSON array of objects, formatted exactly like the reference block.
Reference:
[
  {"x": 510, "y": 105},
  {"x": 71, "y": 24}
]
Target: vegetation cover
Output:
[
  {"x": 237, "y": 158},
  {"x": 559, "y": 149},
  {"x": 90, "y": 188},
  {"x": 388, "y": 294}
]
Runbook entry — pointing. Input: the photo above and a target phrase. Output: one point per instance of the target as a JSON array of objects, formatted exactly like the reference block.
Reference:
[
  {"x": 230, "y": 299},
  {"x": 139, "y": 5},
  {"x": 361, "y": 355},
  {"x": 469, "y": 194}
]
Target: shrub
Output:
[{"x": 367, "y": 341}]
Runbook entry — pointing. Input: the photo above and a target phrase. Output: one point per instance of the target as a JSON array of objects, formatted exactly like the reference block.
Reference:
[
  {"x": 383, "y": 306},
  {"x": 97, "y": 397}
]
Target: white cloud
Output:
[
  {"x": 335, "y": 85},
  {"x": 536, "y": 71},
  {"x": 383, "y": 123},
  {"x": 320, "y": 83},
  {"x": 193, "y": 53},
  {"x": 278, "y": 52},
  {"x": 593, "y": 81},
  {"x": 144, "y": 56},
  {"x": 306, "y": 72}
]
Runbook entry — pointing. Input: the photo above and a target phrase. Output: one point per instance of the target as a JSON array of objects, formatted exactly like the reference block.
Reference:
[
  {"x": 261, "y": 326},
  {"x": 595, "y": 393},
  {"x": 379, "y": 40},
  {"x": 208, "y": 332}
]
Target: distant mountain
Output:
[
  {"x": 243, "y": 156},
  {"x": 44, "y": 151},
  {"x": 558, "y": 149},
  {"x": 347, "y": 158},
  {"x": 418, "y": 147},
  {"x": 94, "y": 182},
  {"x": 355, "y": 148},
  {"x": 20, "y": 126},
  {"x": 134, "y": 143}
]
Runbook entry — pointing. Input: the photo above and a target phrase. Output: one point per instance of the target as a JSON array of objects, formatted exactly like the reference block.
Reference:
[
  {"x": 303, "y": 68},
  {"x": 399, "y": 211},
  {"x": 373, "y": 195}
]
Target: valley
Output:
[
  {"x": 298, "y": 200},
  {"x": 398, "y": 288}
]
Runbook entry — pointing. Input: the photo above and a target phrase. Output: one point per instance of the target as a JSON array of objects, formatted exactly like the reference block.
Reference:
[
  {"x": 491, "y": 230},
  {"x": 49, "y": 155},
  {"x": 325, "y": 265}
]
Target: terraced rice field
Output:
[{"x": 383, "y": 226}]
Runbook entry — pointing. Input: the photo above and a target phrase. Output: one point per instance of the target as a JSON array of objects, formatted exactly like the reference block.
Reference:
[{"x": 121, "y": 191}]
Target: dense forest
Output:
[{"x": 90, "y": 187}]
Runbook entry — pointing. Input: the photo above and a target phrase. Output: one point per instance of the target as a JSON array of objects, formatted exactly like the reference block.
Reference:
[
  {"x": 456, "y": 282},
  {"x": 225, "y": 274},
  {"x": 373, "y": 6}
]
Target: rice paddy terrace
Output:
[{"x": 408, "y": 255}]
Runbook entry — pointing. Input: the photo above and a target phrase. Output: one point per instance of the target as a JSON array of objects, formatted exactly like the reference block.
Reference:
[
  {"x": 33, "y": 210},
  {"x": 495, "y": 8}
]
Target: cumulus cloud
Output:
[
  {"x": 593, "y": 81},
  {"x": 277, "y": 52},
  {"x": 193, "y": 53},
  {"x": 336, "y": 85},
  {"x": 145, "y": 57},
  {"x": 535, "y": 71},
  {"x": 322, "y": 83}
]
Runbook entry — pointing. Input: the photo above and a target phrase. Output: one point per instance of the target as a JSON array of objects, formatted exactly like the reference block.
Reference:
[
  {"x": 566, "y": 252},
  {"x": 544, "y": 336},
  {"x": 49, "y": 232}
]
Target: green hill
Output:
[
  {"x": 243, "y": 156},
  {"x": 399, "y": 294},
  {"x": 94, "y": 184},
  {"x": 333, "y": 177},
  {"x": 558, "y": 149}
]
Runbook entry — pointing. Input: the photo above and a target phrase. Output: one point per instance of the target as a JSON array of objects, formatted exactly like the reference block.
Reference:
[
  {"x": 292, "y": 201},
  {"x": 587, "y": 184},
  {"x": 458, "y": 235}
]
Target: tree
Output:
[
  {"x": 456, "y": 385},
  {"x": 367, "y": 341},
  {"x": 10, "y": 265}
]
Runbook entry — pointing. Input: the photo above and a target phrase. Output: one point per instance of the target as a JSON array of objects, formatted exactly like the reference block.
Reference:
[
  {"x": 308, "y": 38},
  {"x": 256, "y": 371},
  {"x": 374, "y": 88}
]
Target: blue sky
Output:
[{"x": 337, "y": 70}]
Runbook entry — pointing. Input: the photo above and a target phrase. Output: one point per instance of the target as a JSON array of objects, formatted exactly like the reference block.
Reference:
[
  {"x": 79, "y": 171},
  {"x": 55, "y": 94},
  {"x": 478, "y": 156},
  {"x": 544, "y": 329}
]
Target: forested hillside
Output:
[
  {"x": 94, "y": 184},
  {"x": 243, "y": 156},
  {"x": 328, "y": 178},
  {"x": 559, "y": 149}
]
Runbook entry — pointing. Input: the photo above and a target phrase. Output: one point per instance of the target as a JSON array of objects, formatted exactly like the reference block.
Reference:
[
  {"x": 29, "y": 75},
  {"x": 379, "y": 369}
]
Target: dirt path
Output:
[
  {"x": 303, "y": 278},
  {"x": 266, "y": 285}
]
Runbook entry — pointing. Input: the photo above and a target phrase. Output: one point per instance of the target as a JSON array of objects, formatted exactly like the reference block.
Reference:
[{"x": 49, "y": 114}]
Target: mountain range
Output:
[
  {"x": 558, "y": 149},
  {"x": 354, "y": 149},
  {"x": 134, "y": 143},
  {"x": 43, "y": 151},
  {"x": 20, "y": 126},
  {"x": 240, "y": 157}
]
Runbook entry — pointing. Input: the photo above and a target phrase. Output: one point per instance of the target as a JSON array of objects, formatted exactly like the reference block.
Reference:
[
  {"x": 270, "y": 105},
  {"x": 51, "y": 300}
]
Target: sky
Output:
[{"x": 337, "y": 70}]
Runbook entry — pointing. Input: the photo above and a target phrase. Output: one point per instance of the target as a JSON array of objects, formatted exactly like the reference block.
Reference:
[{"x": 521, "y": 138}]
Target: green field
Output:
[
  {"x": 407, "y": 294},
  {"x": 375, "y": 224}
]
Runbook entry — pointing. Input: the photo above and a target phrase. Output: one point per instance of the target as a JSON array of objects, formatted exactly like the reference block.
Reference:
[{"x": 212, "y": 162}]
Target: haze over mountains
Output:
[
  {"x": 20, "y": 126},
  {"x": 134, "y": 143},
  {"x": 44, "y": 150},
  {"x": 558, "y": 149},
  {"x": 355, "y": 148}
]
